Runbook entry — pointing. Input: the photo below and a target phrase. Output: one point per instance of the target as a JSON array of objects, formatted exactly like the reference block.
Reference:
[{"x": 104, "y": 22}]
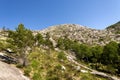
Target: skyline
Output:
[{"x": 40, "y": 14}]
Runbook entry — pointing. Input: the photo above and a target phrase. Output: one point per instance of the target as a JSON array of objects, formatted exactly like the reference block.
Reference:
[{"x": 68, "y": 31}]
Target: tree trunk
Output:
[{"x": 23, "y": 61}]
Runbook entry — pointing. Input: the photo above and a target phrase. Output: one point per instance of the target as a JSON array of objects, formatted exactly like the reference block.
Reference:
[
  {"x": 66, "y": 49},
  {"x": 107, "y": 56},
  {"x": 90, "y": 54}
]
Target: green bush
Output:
[
  {"x": 27, "y": 71},
  {"x": 68, "y": 76},
  {"x": 54, "y": 77},
  {"x": 37, "y": 76},
  {"x": 59, "y": 67},
  {"x": 35, "y": 64},
  {"x": 61, "y": 56}
]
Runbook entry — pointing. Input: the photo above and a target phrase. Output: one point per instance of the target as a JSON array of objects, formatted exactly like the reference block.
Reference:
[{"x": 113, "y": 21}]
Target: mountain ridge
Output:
[{"x": 82, "y": 34}]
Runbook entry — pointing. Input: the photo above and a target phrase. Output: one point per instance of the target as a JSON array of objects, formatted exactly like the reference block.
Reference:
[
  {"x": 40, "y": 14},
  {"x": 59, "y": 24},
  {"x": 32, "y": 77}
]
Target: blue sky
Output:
[{"x": 39, "y": 14}]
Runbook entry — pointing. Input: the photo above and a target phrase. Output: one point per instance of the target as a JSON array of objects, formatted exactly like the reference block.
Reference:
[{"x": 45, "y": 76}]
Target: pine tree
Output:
[{"x": 21, "y": 41}]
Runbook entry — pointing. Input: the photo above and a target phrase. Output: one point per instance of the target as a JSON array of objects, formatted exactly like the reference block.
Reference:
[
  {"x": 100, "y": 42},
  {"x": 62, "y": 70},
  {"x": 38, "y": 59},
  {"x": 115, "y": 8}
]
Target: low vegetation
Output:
[{"x": 53, "y": 65}]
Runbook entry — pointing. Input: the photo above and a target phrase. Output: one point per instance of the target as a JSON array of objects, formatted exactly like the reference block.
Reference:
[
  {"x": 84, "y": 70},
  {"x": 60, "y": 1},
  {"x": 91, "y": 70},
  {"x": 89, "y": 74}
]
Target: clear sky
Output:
[{"x": 39, "y": 14}]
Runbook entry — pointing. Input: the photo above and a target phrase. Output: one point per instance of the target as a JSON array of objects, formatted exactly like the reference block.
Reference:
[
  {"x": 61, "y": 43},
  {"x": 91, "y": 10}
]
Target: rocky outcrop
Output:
[
  {"x": 9, "y": 72},
  {"x": 81, "y": 34}
]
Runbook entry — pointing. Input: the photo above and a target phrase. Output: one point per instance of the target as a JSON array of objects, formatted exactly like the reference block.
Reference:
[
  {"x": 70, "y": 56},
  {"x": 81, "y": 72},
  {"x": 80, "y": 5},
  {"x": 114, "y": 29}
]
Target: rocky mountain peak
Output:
[{"x": 82, "y": 34}]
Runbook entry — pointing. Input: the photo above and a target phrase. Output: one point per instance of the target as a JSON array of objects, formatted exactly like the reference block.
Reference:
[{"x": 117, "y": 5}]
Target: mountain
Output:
[
  {"x": 84, "y": 34},
  {"x": 74, "y": 61},
  {"x": 115, "y": 28}
]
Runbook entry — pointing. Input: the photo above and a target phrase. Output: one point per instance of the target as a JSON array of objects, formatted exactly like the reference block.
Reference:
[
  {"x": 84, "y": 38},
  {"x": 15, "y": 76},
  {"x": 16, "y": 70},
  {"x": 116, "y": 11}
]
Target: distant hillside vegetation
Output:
[{"x": 115, "y": 28}]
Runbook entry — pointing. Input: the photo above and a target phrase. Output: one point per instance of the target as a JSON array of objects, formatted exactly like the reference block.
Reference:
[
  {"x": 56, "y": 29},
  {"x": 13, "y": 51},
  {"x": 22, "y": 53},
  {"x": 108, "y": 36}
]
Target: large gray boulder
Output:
[{"x": 9, "y": 72}]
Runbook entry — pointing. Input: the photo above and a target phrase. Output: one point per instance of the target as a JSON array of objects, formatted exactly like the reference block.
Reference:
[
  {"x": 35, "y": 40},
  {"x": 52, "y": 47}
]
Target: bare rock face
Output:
[
  {"x": 8, "y": 72},
  {"x": 82, "y": 34}
]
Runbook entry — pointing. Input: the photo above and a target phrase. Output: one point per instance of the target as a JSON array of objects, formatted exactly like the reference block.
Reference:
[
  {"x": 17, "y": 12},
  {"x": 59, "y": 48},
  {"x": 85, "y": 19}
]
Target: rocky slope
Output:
[
  {"x": 9, "y": 72},
  {"x": 82, "y": 34}
]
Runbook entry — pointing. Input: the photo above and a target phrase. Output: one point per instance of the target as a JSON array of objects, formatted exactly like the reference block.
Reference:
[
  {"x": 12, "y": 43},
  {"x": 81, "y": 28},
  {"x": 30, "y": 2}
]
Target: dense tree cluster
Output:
[{"x": 98, "y": 56}]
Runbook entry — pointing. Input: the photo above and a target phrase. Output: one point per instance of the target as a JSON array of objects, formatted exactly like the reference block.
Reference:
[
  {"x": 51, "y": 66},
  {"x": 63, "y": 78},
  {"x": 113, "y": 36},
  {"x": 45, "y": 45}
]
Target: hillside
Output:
[
  {"x": 115, "y": 28},
  {"x": 62, "y": 52},
  {"x": 56, "y": 65},
  {"x": 82, "y": 34}
]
